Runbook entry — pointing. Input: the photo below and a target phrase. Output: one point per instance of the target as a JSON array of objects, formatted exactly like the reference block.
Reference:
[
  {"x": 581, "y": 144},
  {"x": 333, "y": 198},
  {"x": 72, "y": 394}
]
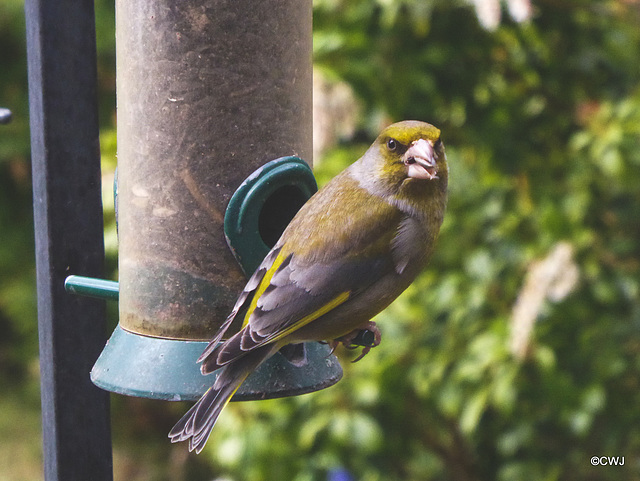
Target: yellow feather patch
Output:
[
  {"x": 226, "y": 401},
  {"x": 266, "y": 280},
  {"x": 332, "y": 304}
]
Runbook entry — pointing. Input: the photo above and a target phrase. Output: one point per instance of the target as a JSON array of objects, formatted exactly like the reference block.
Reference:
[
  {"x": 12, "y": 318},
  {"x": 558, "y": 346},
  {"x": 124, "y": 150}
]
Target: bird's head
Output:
[{"x": 407, "y": 160}]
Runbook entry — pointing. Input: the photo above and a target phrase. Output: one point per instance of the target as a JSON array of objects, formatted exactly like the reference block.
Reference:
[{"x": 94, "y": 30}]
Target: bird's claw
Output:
[{"x": 348, "y": 340}]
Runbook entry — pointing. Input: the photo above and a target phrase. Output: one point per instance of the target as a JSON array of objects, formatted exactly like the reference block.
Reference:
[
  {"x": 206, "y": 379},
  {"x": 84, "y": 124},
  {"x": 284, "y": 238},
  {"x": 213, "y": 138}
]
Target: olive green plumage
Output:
[{"x": 348, "y": 253}]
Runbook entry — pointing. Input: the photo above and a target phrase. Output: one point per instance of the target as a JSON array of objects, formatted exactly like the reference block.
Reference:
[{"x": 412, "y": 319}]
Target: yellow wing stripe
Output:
[
  {"x": 332, "y": 304},
  {"x": 266, "y": 280},
  {"x": 226, "y": 401}
]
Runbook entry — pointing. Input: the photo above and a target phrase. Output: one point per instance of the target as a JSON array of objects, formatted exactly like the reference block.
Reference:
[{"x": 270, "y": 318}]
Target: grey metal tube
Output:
[{"x": 208, "y": 90}]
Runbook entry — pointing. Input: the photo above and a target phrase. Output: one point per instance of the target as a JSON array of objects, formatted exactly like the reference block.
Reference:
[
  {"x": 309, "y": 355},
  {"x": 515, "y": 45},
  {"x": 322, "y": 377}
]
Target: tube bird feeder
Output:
[{"x": 208, "y": 92}]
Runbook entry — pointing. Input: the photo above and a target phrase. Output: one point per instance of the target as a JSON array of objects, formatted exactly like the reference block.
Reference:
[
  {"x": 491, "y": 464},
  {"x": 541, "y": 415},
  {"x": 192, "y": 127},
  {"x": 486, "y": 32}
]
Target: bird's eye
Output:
[
  {"x": 392, "y": 144},
  {"x": 438, "y": 144}
]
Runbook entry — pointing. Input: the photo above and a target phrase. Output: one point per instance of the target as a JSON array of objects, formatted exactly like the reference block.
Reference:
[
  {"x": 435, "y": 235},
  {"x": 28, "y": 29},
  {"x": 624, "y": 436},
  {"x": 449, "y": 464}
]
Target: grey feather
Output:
[{"x": 403, "y": 247}]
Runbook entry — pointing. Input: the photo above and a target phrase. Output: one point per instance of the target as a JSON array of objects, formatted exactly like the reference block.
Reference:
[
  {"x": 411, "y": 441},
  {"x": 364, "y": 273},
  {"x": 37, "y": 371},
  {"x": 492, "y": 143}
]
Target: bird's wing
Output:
[
  {"x": 244, "y": 301},
  {"x": 337, "y": 245},
  {"x": 291, "y": 296}
]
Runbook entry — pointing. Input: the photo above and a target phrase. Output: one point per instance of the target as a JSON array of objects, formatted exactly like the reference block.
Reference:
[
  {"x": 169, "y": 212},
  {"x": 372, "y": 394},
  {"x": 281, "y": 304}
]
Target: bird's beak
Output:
[{"x": 420, "y": 159}]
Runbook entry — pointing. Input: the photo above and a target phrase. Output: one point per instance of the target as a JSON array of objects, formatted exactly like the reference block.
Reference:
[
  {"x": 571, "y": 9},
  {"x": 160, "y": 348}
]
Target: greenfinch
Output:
[{"x": 347, "y": 254}]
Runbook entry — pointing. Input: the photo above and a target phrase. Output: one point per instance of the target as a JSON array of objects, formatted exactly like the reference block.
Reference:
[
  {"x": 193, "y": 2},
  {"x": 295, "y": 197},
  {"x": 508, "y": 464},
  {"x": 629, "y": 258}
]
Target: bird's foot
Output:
[{"x": 368, "y": 336}]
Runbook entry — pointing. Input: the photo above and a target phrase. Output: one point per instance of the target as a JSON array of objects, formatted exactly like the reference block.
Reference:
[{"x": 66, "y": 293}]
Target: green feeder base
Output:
[{"x": 166, "y": 369}]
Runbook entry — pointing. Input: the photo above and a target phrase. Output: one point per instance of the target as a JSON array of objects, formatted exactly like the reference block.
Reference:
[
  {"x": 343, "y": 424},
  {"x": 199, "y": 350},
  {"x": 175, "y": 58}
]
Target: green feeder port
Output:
[{"x": 262, "y": 207}]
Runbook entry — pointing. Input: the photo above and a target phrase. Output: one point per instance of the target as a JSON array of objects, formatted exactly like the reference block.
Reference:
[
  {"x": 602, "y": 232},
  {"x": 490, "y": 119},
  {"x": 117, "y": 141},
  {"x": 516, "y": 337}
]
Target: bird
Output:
[{"x": 352, "y": 249}]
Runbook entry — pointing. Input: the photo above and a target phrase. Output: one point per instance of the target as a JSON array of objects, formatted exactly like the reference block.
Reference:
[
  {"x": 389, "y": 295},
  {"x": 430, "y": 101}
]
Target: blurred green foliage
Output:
[
  {"x": 17, "y": 271},
  {"x": 542, "y": 126}
]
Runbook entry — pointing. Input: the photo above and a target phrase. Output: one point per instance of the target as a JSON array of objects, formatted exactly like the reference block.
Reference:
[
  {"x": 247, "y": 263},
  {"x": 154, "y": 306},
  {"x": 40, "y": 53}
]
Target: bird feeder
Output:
[{"x": 214, "y": 117}]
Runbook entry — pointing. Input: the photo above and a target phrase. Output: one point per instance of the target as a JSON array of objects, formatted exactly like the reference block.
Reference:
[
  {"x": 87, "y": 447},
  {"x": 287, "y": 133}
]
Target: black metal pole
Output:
[{"x": 69, "y": 235}]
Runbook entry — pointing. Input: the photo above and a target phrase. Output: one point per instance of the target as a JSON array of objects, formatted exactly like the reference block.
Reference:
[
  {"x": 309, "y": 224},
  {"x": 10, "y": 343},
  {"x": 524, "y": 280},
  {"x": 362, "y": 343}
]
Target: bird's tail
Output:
[{"x": 197, "y": 423}]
